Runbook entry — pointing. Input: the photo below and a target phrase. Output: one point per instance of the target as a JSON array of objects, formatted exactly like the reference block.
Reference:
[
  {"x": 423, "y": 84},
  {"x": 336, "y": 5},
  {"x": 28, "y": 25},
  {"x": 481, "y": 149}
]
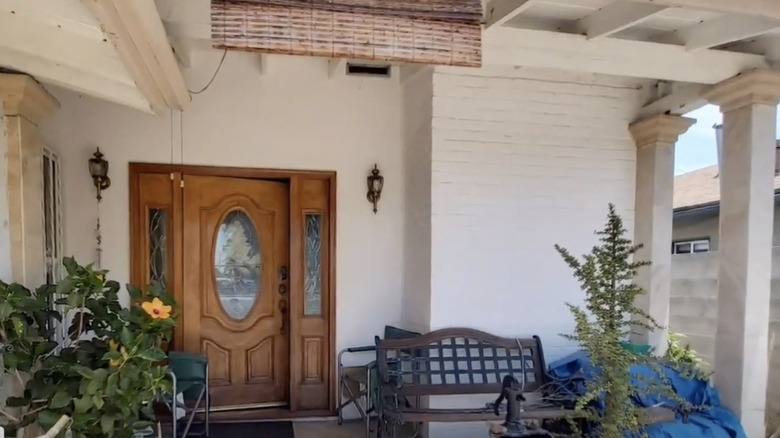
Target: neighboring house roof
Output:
[{"x": 700, "y": 188}]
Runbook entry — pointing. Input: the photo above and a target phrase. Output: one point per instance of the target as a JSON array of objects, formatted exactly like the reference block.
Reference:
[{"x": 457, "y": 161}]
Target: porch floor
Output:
[{"x": 329, "y": 429}]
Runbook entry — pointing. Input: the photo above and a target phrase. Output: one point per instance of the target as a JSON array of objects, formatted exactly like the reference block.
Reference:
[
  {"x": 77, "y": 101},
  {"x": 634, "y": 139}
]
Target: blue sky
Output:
[{"x": 697, "y": 147}]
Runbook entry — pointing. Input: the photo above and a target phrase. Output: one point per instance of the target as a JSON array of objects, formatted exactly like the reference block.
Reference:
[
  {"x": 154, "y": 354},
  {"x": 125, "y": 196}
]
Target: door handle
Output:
[{"x": 283, "y": 310}]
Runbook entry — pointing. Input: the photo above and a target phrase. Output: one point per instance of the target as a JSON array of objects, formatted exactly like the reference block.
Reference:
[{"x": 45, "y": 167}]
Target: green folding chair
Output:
[{"x": 190, "y": 376}]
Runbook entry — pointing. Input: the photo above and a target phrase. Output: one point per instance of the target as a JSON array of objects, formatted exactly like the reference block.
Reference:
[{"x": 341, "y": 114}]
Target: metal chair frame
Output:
[
  {"x": 364, "y": 390},
  {"x": 348, "y": 384},
  {"x": 174, "y": 405}
]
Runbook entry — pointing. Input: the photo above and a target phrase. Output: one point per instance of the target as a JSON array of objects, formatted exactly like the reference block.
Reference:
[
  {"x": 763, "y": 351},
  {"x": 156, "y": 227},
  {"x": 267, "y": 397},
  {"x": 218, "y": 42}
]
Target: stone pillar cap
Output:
[
  {"x": 660, "y": 129},
  {"x": 754, "y": 87},
  {"x": 23, "y": 96}
]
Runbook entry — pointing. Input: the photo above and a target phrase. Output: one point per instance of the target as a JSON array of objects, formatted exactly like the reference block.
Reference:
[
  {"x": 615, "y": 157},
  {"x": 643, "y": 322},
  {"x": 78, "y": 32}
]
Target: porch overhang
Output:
[{"x": 113, "y": 50}]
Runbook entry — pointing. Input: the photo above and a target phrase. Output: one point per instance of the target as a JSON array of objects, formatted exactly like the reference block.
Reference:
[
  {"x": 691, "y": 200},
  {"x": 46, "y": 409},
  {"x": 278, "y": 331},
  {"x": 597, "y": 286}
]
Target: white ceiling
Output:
[{"x": 670, "y": 26}]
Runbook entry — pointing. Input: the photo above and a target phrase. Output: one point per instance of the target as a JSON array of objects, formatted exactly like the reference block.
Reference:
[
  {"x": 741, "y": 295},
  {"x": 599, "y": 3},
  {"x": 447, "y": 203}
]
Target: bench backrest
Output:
[{"x": 459, "y": 361}]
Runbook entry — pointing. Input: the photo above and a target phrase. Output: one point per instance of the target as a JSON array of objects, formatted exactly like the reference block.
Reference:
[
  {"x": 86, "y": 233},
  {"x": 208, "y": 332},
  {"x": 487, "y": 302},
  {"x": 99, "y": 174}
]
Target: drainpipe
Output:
[{"x": 719, "y": 140}]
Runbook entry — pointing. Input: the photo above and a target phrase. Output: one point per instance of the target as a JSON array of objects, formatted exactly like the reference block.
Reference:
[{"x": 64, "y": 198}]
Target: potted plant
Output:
[
  {"x": 106, "y": 369},
  {"x": 603, "y": 326}
]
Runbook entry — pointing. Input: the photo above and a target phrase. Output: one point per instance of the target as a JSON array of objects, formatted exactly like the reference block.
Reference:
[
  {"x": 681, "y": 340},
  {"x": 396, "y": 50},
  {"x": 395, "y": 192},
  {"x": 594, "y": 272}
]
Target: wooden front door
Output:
[
  {"x": 235, "y": 306},
  {"x": 249, "y": 256}
]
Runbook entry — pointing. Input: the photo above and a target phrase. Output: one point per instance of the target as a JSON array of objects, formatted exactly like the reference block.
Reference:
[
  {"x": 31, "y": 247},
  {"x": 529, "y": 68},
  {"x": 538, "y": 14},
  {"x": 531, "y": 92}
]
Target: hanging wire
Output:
[
  {"x": 171, "y": 135},
  {"x": 216, "y": 72}
]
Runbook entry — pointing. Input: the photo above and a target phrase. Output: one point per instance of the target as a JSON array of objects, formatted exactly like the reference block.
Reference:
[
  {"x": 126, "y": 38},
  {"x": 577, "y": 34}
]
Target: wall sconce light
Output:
[
  {"x": 375, "y": 184},
  {"x": 98, "y": 168}
]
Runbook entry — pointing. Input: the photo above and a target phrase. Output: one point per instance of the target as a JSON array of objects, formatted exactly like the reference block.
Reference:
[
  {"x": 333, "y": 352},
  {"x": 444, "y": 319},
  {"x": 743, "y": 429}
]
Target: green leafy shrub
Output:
[
  {"x": 107, "y": 371},
  {"x": 681, "y": 356},
  {"x": 606, "y": 276}
]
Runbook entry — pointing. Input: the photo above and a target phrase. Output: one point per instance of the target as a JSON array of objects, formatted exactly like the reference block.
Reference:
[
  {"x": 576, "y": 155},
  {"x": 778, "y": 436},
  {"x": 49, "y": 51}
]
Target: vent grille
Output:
[{"x": 368, "y": 70}]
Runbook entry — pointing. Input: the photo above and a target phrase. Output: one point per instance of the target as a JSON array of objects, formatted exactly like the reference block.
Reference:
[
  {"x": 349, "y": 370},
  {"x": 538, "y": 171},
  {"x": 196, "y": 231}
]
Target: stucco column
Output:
[
  {"x": 655, "y": 140},
  {"x": 24, "y": 104},
  {"x": 749, "y": 105}
]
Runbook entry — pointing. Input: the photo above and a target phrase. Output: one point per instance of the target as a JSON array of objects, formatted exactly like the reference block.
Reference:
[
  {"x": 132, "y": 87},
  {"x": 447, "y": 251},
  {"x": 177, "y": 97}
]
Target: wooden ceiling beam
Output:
[
  {"x": 616, "y": 16},
  {"x": 74, "y": 77},
  {"x": 681, "y": 99},
  {"x": 135, "y": 29},
  {"x": 66, "y": 54},
  {"x": 727, "y": 29},
  {"x": 499, "y": 12},
  {"x": 613, "y": 56},
  {"x": 764, "y": 8}
]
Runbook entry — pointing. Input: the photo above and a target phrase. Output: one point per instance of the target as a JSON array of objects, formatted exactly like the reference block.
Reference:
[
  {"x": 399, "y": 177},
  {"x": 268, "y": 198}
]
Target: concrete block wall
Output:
[{"x": 694, "y": 312}]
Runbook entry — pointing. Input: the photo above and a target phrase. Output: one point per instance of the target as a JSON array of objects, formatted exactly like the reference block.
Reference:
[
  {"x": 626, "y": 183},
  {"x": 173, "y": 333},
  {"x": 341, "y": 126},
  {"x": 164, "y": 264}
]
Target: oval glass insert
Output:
[{"x": 237, "y": 264}]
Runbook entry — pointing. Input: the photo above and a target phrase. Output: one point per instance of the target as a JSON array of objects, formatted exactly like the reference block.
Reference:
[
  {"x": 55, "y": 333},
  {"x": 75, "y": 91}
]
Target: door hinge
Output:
[
  {"x": 172, "y": 177},
  {"x": 181, "y": 184}
]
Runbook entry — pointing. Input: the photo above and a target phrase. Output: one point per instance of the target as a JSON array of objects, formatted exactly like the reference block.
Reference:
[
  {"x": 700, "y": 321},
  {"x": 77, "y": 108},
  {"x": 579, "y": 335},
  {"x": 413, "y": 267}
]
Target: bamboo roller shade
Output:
[{"x": 442, "y": 32}]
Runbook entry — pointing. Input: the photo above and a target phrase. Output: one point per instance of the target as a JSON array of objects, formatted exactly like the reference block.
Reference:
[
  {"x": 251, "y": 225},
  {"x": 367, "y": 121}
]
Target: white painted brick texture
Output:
[{"x": 523, "y": 160}]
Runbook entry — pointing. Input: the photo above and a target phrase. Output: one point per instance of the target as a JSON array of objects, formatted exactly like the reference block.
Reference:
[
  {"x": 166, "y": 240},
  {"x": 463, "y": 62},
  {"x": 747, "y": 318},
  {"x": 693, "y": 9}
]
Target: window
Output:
[
  {"x": 52, "y": 216},
  {"x": 691, "y": 246},
  {"x": 52, "y": 225}
]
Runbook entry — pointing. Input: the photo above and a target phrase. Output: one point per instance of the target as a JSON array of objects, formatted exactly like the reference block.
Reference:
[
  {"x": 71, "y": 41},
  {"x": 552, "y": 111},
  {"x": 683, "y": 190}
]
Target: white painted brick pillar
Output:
[
  {"x": 655, "y": 140},
  {"x": 749, "y": 105}
]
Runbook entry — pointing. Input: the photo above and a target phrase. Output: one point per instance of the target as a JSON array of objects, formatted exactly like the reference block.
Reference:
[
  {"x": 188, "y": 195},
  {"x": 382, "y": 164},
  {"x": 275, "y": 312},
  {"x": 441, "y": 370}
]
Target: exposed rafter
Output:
[
  {"x": 498, "y": 12},
  {"x": 765, "y": 8},
  {"x": 68, "y": 54},
  {"x": 137, "y": 32},
  {"x": 727, "y": 29},
  {"x": 615, "y": 17},
  {"x": 678, "y": 100},
  {"x": 533, "y": 48}
]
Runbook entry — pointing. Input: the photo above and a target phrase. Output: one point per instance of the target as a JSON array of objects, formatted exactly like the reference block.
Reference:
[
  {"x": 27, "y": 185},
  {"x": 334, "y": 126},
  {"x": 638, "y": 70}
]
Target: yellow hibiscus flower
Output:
[{"x": 157, "y": 309}]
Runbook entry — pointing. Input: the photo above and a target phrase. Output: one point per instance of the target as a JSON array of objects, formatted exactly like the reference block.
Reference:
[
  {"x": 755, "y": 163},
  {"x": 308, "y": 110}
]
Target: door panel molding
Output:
[{"x": 312, "y": 373}]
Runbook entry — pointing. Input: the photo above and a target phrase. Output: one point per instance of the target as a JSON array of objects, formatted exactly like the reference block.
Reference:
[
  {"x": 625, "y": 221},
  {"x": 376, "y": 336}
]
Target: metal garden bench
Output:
[{"x": 457, "y": 361}]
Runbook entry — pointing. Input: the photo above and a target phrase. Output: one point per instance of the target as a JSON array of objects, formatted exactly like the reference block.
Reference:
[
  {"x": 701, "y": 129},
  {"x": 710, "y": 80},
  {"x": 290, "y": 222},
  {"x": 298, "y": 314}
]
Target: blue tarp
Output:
[{"x": 714, "y": 422}]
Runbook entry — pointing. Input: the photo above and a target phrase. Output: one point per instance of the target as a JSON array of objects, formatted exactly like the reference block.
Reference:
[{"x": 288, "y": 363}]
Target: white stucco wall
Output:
[
  {"x": 417, "y": 114},
  {"x": 289, "y": 114}
]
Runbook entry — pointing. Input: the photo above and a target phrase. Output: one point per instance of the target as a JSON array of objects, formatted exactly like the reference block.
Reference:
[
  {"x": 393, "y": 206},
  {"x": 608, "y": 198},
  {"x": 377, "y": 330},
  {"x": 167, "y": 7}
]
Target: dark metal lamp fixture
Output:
[
  {"x": 98, "y": 168},
  {"x": 375, "y": 184}
]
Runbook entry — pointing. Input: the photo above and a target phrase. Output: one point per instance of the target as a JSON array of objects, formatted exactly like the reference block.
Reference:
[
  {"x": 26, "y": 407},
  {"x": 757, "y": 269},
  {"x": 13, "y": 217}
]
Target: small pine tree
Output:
[{"x": 606, "y": 276}]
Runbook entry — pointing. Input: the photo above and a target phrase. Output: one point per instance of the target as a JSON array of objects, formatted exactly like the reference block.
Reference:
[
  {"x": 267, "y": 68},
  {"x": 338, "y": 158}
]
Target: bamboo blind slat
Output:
[{"x": 446, "y": 32}]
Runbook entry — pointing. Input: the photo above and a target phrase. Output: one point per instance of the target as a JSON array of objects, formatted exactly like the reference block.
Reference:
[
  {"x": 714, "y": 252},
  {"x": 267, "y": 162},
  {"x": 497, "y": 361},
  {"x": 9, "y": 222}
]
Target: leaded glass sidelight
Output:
[
  {"x": 158, "y": 246},
  {"x": 313, "y": 264},
  {"x": 237, "y": 264}
]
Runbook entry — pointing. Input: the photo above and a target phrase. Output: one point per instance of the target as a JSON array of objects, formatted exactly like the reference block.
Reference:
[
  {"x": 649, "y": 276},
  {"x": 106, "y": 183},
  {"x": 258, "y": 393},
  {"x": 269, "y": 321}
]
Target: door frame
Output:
[{"x": 294, "y": 178}]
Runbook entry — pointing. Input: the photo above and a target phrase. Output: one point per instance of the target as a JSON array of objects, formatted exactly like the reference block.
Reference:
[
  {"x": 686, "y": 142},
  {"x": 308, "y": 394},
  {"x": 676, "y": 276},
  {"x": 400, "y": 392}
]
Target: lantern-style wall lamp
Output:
[
  {"x": 375, "y": 184},
  {"x": 98, "y": 168}
]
